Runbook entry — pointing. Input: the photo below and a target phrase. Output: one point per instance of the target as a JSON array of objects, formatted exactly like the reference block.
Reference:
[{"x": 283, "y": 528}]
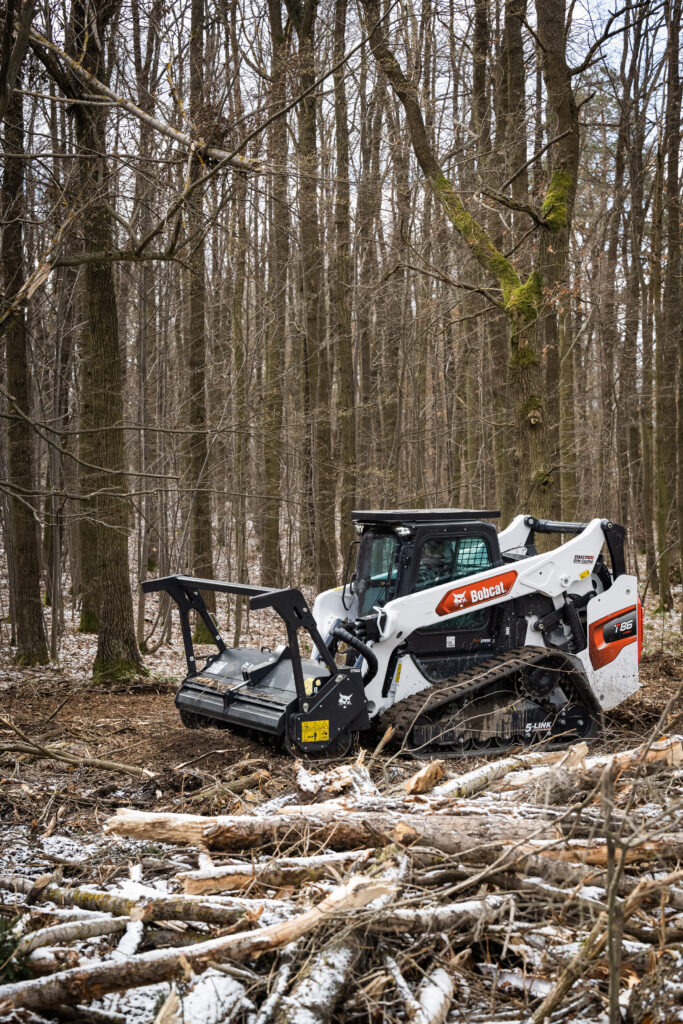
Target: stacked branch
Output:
[{"x": 500, "y": 887}]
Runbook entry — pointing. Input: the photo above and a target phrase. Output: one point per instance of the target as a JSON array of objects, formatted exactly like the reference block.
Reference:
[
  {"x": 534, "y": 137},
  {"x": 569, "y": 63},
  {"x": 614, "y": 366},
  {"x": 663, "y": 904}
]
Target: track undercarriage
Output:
[{"x": 522, "y": 698}]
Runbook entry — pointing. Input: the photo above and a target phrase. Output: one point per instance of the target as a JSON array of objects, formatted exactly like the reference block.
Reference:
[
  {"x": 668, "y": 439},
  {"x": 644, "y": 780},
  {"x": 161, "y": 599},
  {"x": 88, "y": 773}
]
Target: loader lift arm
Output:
[{"x": 290, "y": 604}]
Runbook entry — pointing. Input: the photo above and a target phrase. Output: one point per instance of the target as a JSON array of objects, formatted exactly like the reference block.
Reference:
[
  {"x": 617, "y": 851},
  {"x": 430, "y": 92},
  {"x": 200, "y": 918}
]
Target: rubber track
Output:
[{"x": 404, "y": 713}]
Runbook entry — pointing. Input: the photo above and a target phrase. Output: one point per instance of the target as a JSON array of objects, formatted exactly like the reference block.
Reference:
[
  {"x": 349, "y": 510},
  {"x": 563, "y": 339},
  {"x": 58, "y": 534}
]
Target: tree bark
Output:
[
  {"x": 105, "y": 505},
  {"x": 23, "y": 523},
  {"x": 201, "y": 540}
]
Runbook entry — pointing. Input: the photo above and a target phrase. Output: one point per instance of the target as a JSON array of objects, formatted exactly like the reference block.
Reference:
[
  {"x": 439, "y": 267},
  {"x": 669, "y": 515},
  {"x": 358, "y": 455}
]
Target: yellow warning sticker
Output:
[
  {"x": 308, "y": 686},
  {"x": 582, "y": 575},
  {"x": 315, "y": 732},
  {"x": 398, "y": 672}
]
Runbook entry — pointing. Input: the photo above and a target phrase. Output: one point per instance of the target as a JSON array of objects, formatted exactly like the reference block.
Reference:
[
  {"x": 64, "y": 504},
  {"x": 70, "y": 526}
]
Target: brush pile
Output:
[{"x": 544, "y": 886}]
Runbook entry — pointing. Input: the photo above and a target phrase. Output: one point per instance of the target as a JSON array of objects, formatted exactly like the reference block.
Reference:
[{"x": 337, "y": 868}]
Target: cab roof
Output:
[{"x": 418, "y": 516}]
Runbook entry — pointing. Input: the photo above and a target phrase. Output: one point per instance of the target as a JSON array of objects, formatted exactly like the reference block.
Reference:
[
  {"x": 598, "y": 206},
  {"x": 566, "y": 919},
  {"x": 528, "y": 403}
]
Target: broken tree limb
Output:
[
  {"x": 595, "y": 943},
  {"x": 463, "y": 833},
  {"x": 29, "y": 746},
  {"x": 55, "y": 934},
  {"x": 85, "y": 983},
  {"x": 425, "y": 779},
  {"x": 473, "y": 782},
  {"x": 233, "y": 787},
  {"x": 465, "y": 916},
  {"x": 273, "y": 874},
  {"x": 435, "y": 995},
  {"x": 321, "y": 985},
  {"x": 170, "y": 908}
]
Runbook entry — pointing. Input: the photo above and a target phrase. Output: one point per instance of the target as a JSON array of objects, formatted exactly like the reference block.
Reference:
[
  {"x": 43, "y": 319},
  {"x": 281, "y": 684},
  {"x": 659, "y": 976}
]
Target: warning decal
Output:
[{"x": 315, "y": 732}]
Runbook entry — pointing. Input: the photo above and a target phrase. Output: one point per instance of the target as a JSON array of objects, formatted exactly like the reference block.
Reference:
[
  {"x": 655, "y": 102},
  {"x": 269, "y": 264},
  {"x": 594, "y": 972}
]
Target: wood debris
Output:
[{"x": 424, "y": 901}]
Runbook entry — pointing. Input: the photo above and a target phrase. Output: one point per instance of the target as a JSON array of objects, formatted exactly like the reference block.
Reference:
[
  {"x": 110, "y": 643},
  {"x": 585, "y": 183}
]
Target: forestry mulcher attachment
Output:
[{"x": 467, "y": 641}]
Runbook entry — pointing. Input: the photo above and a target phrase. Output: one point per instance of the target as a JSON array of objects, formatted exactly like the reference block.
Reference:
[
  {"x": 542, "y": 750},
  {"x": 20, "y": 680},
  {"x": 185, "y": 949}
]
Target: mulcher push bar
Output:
[{"x": 290, "y": 604}]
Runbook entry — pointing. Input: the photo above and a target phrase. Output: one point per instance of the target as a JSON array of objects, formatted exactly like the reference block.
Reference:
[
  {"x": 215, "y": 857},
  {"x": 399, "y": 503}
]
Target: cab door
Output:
[{"x": 448, "y": 647}]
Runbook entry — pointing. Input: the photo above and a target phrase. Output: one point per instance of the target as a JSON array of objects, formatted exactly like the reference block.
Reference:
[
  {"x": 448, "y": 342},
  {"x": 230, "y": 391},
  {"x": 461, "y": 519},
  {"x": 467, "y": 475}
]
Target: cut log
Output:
[
  {"x": 457, "y": 834},
  {"x": 86, "y": 983},
  {"x": 273, "y": 874}
]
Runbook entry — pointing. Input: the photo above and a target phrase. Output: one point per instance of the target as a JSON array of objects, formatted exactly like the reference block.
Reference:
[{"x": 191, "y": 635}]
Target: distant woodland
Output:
[{"x": 264, "y": 261}]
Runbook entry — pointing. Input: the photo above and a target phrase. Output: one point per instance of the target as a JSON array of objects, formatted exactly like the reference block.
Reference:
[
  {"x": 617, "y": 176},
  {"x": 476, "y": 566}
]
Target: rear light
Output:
[{"x": 640, "y": 628}]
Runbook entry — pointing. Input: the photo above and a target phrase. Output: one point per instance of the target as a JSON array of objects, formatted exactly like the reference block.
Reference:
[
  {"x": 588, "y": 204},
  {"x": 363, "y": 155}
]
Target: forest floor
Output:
[
  {"x": 52, "y": 812},
  {"x": 137, "y": 724}
]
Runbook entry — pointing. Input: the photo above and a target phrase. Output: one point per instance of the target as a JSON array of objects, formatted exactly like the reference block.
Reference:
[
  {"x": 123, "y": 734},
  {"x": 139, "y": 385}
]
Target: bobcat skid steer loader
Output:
[{"x": 464, "y": 639}]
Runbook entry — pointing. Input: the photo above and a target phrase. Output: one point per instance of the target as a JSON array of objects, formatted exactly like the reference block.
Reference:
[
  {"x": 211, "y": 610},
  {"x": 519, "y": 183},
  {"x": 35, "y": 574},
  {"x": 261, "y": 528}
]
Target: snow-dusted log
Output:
[
  {"x": 170, "y": 908},
  {"x": 463, "y": 917},
  {"x": 275, "y": 873},
  {"x": 667, "y": 750},
  {"x": 467, "y": 785},
  {"x": 337, "y": 779},
  {"x": 270, "y": 1005},
  {"x": 435, "y": 995},
  {"x": 85, "y": 983},
  {"x": 321, "y": 986},
  {"x": 48, "y": 959},
  {"x": 210, "y": 998},
  {"x": 55, "y": 934},
  {"x": 456, "y": 834}
]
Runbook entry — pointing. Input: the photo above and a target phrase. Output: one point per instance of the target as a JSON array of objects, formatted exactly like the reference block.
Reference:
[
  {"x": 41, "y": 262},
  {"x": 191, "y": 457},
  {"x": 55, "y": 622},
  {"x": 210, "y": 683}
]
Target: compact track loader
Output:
[{"x": 466, "y": 640}]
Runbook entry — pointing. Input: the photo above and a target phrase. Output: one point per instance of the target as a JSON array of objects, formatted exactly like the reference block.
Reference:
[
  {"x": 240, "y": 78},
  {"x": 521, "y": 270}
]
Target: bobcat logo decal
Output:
[{"x": 344, "y": 700}]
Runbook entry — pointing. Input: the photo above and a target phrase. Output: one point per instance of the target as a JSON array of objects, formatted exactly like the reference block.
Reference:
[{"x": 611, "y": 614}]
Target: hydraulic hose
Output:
[{"x": 367, "y": 652}]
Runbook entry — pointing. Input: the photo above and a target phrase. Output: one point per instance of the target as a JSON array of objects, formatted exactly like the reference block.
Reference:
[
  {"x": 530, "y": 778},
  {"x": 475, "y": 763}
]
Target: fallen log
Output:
[
  {"x": 667, "y": 751},
  {"x": 434, "y": 996},
  {"x": 466, "y": 916},
  {"x": 171, "y": 908},
  {"x": 56, "y": 934},
  {"x": 453, "y": 834},
  {"x": 467, "y": 785},
  {"x": 274, "y": 874},
  {"x": 321, "y": 986},
  {"x": 86, "y": 983}
]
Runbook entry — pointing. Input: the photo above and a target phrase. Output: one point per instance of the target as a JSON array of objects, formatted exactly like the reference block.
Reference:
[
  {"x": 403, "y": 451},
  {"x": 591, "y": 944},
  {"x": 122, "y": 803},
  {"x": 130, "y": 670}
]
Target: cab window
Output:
[
  {"x": 444, "y": 559},
  {"x": 376, "y": 570}
]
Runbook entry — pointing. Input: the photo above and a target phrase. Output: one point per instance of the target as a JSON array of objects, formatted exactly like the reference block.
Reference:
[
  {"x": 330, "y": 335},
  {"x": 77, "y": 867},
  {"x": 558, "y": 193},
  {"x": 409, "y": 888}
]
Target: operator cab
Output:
[{"x": 408, "y": 550}]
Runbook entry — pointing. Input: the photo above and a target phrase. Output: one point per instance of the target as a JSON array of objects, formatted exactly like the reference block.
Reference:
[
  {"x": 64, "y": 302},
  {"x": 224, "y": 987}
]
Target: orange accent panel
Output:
[
  {"x": 471, "y": 595},
  {"x": 602, "y": 653}
]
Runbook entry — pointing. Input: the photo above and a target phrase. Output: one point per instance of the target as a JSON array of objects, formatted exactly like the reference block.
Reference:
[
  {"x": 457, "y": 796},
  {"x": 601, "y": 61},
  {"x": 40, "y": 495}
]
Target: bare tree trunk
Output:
[
  {"x": 101, "y": 438},
  {"x": 342, "y": 338},
  {"x": 23, "y": 522},
  {"x": 201, "y": 541}
]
